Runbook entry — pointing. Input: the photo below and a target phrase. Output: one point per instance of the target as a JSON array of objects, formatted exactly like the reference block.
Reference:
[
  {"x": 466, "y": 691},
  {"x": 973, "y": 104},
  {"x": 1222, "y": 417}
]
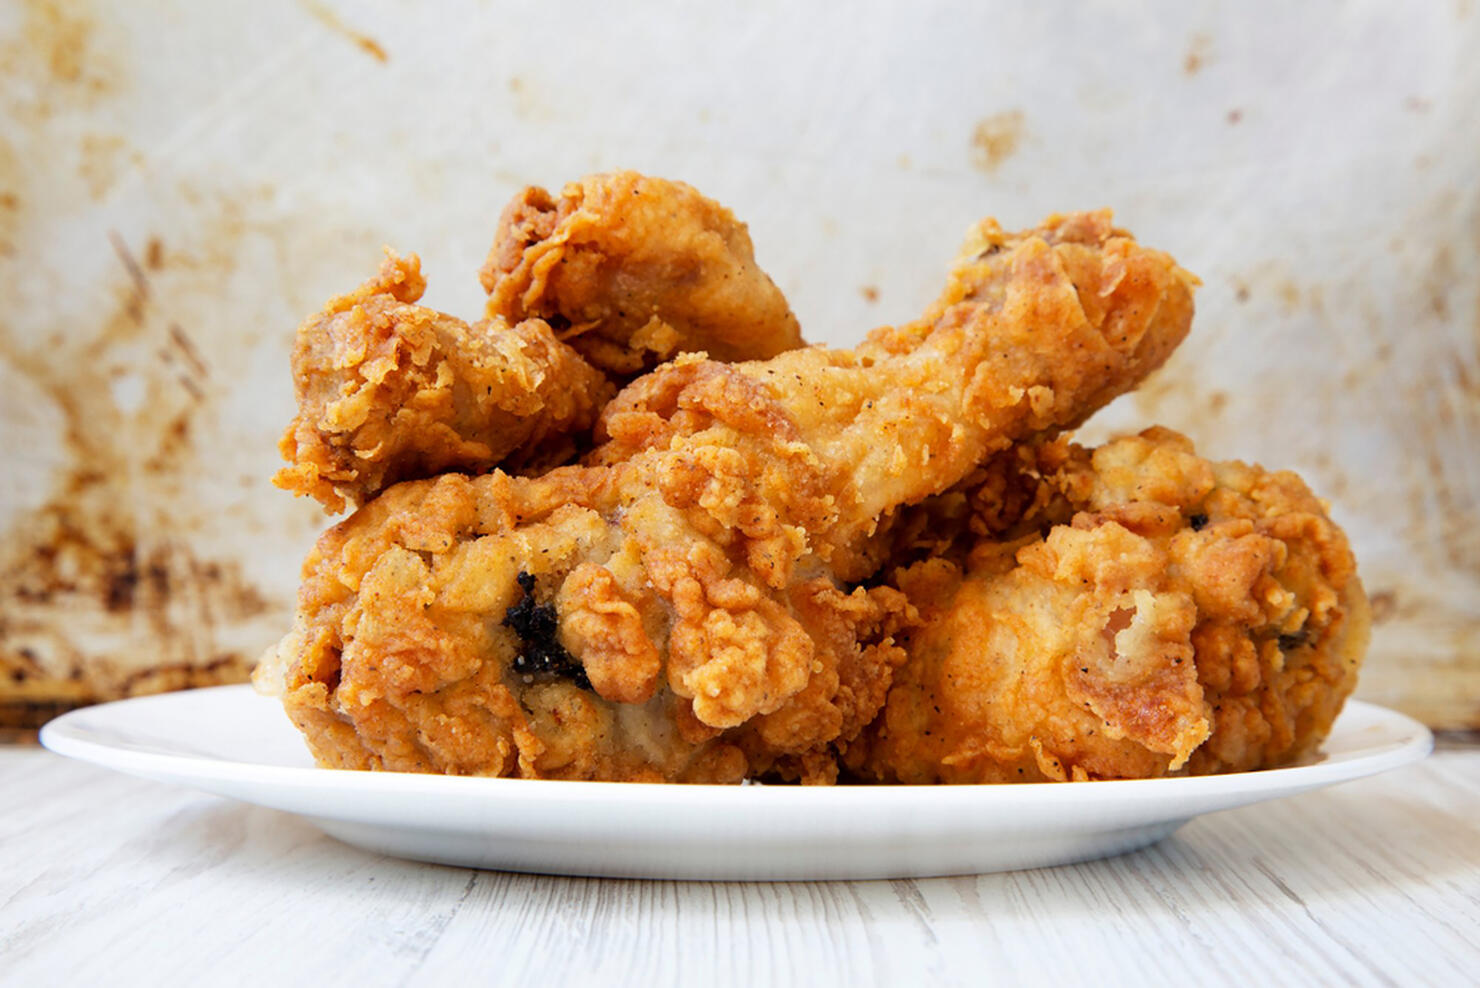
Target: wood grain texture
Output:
[{"x": 109, "y": 879}]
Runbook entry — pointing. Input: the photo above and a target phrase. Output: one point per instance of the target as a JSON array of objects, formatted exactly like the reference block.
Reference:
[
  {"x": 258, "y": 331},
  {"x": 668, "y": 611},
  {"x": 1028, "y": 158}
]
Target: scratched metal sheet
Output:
[{"x": 181, "y": 183}]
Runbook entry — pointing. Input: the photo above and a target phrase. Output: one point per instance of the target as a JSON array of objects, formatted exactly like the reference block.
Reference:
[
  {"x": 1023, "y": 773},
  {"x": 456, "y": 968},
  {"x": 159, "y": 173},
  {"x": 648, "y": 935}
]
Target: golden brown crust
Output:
[
  {"x": 390, "y": 391},
  {"x": 402, "y": 659},
  {"x": 631, "y": 270},
  {"x": 722, "y": 521},
  {"x": 603, "y": 626},
  {"x": 1192, "y": 616},
  {"x": 1031, "y": 336}
]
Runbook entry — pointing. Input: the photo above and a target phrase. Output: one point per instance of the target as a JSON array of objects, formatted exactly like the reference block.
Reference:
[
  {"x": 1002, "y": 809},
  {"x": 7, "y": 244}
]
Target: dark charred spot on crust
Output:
[
  {"x": 541, "y": 653},
  {"x": 1294, "y": 640},
  {"x": 1198, "y": 521}
]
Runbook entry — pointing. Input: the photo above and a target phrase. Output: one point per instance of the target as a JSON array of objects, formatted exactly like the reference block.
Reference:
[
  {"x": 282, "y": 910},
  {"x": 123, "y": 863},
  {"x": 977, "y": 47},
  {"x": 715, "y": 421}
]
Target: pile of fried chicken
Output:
[{"x": 628, "y": 527}]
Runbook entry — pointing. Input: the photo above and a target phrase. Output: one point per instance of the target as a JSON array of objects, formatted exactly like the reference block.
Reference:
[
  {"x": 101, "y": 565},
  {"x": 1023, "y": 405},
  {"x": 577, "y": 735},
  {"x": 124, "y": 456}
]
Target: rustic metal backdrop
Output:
[{"x": 181, "y": 183}]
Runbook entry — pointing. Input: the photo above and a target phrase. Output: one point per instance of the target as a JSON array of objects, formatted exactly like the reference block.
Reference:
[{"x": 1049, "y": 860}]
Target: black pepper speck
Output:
[
  {"x": 541, "y": 653},
  {"x": 1290, "y": 642}
]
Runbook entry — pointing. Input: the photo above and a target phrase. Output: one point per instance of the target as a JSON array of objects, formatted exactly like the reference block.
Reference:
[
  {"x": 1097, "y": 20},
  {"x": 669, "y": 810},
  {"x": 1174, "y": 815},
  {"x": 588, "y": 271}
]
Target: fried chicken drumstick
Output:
[
  {"x": 1124, "y": 612},
  {"x": 693, "y": 572},
  {"x": 629, "y": 269},
  {"x": 632, "y": 270},
  {"x": 389, "y": 391}
]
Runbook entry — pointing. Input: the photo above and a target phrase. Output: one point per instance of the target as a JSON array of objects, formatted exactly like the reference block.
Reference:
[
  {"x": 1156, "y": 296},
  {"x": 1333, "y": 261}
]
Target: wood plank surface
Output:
[{"x": 106, "y": 879}]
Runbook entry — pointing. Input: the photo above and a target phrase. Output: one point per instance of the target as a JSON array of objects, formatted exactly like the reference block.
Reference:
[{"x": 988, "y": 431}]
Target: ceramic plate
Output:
[{"x": 232, "y": 742}]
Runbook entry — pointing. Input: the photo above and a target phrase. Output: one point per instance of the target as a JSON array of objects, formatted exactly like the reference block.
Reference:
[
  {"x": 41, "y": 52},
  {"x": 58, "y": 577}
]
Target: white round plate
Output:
[{"x": 232, "y": 742}]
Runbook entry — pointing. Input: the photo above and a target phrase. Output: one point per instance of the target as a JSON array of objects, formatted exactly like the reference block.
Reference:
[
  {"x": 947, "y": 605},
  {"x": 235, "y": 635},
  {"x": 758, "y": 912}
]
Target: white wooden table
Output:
[{"x": 106, "y": 879}]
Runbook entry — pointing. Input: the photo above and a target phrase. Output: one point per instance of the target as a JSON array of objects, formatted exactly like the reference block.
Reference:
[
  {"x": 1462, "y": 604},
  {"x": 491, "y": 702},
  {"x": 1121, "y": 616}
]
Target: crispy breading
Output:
[
  {"x": 1034, "y": 332},
  {"x": 1148, "y": 612},
  {"x": 389, "y": 391},
  {"x": 630, "y": 271},
  {"x": 723, "y": 520},
  {"x": 633, "y": 270}
]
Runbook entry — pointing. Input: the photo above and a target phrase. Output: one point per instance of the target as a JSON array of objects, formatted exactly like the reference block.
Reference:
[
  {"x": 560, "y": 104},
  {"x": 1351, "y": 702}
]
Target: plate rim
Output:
[
  {"x": 63, "y": 736},
  {"x": 658, "y": 831}
]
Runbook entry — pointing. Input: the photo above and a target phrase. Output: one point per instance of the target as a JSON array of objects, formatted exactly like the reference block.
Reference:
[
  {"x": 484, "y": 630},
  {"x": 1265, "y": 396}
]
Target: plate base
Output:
[
  {"x": 745, "y": 864},
  {"x": 231, "y": 742}
]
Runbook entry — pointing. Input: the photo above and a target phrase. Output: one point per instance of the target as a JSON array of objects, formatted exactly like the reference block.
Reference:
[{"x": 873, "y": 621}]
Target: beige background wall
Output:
[{"x": 180, "y": 183}]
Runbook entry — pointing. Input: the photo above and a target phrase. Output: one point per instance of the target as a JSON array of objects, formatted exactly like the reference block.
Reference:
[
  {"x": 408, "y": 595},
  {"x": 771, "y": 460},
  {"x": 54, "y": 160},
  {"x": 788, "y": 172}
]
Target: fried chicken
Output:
[
  {"x": 1032, "y": 334},
  {"x": 695, "y": 570},
  {"x": 633, "y": 270},
  {"x": 389, "y": 391},
  {"x": 1126, "y": 612}
]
